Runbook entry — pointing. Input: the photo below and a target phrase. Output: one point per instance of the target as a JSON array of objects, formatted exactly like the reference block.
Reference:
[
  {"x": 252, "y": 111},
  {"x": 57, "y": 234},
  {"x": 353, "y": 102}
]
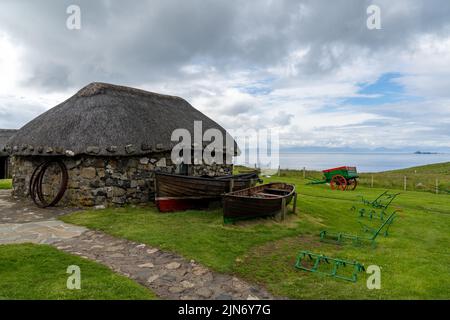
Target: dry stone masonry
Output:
[{"x": 103, "y": 181}]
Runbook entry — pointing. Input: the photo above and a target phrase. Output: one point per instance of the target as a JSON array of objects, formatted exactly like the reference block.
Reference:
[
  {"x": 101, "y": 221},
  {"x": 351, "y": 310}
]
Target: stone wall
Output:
[{"x": 104, "y": 180}]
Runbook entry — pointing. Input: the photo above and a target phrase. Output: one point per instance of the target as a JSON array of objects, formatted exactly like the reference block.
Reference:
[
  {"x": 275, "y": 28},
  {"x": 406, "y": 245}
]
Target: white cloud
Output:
[{"x": 280, "y": 64}]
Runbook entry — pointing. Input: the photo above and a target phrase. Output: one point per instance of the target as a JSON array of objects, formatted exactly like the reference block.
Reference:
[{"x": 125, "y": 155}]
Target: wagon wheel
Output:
[
  {"x": 338, "y": 182},
  {"x": 351, "y": 184}
]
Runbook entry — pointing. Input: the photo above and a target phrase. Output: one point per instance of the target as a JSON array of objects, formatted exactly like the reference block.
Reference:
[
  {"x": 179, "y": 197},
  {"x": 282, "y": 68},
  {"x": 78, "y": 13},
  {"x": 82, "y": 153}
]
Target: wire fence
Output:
[
  {"x": 407, "y": 183},
  {"x": 434, "y": 183}
]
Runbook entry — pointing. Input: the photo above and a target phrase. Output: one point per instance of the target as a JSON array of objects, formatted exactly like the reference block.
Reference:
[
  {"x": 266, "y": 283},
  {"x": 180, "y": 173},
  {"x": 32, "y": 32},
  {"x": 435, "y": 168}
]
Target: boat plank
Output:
[
  {"x": 247, "y": 203},
  {"x": 170, "y": 187}
]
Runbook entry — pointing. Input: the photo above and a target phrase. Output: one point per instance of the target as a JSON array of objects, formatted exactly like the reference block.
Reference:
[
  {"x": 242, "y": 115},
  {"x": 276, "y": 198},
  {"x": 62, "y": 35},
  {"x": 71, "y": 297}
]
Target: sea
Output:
[{"x": 365, "y": 162}]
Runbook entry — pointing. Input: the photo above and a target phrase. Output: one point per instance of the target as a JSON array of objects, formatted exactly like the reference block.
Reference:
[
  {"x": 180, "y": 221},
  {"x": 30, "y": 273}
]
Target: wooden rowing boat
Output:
[
  {"x": 260, "y": 201},
  {"x": 178, "y": 192}
]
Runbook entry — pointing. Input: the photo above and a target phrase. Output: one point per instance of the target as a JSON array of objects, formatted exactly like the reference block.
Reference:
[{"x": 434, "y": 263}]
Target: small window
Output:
[{"x": 182, "y": 169}]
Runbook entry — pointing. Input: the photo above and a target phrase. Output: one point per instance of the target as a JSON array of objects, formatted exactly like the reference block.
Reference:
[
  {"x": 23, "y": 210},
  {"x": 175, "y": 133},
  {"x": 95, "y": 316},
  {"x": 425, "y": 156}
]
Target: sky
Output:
[{"x": 311, "y": 69}]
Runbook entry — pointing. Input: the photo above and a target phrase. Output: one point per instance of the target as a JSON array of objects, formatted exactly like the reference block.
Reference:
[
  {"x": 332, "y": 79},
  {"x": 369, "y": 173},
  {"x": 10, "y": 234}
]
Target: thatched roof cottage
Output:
[
  {"x": 110, "y": 138},
  {"x": 5, "y": 134}
]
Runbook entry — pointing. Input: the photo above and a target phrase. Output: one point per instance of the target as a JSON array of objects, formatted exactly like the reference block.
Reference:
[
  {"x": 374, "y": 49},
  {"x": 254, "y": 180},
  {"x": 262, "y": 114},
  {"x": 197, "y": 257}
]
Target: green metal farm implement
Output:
[
  {"x": 340, "y": 237},
  {"x": 322, "y": 264},
  {"x": 313, "y": 262},
  {"x": 340, "y": 178},
  {"x": 386, "y": 225},
  {"x": 375, "y": 208},
  {"x": 382, "y": 201}
]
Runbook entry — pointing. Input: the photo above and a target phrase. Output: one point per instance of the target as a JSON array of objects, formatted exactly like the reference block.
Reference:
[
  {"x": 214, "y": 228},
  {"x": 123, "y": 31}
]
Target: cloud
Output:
[{"x": 298, "y": 66}]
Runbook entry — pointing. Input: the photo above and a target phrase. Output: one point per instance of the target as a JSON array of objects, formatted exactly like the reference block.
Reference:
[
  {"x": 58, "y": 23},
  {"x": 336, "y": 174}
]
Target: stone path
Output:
[
  {"x": 168, "y": 275},
  {"x": 21, "y": 211},
  {"x": 38, "y": 232},
  {"x": 21, "y": 221}
]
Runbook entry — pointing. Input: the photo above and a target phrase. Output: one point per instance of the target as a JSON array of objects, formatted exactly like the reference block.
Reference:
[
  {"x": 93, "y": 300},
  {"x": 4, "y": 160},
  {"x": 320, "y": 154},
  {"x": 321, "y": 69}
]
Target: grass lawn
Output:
[
  {"x": 5, "y": 184},
  {"x": 421, "y": 178},
  {"x": 415, "y": 258},
  {"x": 30, "y": 271}
]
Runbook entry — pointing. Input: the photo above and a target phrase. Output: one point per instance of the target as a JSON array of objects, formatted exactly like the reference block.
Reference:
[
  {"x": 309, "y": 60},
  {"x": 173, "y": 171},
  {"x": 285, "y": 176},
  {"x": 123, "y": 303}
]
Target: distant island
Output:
[
  {"x": 347, "y": 149},
  {"x": 424, "y": 152}
]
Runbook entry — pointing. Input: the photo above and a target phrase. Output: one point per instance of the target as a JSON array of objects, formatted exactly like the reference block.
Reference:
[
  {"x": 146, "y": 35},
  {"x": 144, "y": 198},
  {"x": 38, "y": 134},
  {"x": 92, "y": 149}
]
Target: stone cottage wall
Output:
[{"x": 104, "y": 180}]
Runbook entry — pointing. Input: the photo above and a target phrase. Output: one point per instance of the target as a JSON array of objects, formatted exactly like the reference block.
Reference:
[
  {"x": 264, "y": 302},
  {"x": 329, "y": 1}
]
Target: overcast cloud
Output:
[{"x": 312, "y": 69}]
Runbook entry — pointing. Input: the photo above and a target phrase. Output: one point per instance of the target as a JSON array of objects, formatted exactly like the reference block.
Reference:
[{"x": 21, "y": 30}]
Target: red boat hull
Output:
[{"x": 180, "y": 204}]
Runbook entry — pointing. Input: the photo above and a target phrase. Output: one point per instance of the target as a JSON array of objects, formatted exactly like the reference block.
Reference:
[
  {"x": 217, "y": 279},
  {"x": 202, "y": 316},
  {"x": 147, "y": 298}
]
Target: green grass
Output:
[
  {"x": 442, "y": 168},
  {"x": 30, "y": 271},
  {"x": 422, "y": 178},
  {"x": 5, "y": 184},
  {"x": 198, "y": 235},
  {"x": 415, "y": 258}
]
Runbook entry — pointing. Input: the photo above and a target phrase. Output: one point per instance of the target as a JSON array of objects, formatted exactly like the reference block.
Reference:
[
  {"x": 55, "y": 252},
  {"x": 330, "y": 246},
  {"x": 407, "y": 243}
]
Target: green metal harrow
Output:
[
  {"x": 377, "y": 208},
  {"x": 336, "y": 264},
  {"x": 340, "y": 237},
  {"x": 382, "y": 201}
]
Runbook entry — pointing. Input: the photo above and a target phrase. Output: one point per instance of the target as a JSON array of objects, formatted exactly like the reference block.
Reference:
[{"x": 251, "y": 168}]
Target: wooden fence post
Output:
[
  {"x": 283, "y": 208},
  {"x": 404, "y": 183},
  {"x": 371, "y": 182},
  {"x": 437, "y": 186},
  {"x": 304, "y": 172},
  {"x": 294, "y": 207},
  {"x": 231, "y": 185},
  {"x": 155, "y": 185}
]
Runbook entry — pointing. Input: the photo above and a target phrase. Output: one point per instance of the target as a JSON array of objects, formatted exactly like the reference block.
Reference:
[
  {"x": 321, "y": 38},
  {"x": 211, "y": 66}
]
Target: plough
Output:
[
  {"x": 378, "y": 209},
  {"x": 318, "y": 259},
  {"x": 387, "y": 223},
  {"x": 382, "y": 201},
  {"x": 370, "y": 213},
  {"x": 339, "y": 237}
]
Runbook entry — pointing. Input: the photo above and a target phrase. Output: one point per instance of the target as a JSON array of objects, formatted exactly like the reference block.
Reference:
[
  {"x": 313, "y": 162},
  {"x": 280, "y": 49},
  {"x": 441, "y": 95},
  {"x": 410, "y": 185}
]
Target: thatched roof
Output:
[
  {"x": 5, "y": 134},
  {"x": 110, "y": 120}
]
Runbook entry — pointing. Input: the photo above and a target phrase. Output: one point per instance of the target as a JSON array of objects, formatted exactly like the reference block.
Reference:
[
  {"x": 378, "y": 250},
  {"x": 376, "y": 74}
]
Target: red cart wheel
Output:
[
  {"x": 338, "y": 182},
  {"x": 351, "y": 184}
]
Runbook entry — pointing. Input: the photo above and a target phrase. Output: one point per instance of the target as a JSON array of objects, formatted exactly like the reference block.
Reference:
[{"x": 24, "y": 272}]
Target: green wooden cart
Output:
[{"x": 340, "y": 178}]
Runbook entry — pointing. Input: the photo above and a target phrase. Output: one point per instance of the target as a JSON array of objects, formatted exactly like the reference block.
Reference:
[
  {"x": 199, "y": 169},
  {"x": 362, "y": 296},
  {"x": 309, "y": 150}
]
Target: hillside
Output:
[
  {"x": 421, "y": 178},
  {"x": 435, "y": 168}
]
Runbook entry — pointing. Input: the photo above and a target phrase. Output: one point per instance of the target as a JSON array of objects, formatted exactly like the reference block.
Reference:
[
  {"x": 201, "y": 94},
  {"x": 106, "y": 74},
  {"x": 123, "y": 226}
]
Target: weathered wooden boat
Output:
[
  {"x": 179, "y": 192},
  {"x": 260, "y": 201}
]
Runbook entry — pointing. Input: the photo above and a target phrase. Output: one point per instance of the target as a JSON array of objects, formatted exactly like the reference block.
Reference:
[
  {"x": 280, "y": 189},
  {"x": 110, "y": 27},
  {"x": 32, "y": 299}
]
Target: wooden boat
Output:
[
  {"x": 178, "y": 192},
  {"x": 260, "y": 201}
]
